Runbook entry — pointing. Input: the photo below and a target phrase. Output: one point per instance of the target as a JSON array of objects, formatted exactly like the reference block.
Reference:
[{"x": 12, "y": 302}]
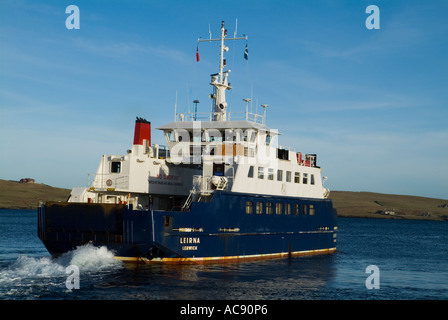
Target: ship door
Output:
[{"x": 218, "y": 169}]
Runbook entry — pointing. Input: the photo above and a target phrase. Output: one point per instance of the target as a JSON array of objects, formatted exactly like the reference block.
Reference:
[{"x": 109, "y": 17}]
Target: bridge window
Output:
[
  {"x": 312, "y": 179},
  {"x": 288, "y": 176},
  {"x": 252, "y": 135},
  {"x": 268, "y": 139},
  {"x": 115, "y": 167},
  {"x": 171, "y": 136}
]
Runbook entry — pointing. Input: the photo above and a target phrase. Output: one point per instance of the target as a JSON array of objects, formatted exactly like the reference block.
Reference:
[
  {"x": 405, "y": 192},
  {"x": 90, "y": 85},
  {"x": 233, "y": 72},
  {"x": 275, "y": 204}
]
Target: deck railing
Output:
[
  {"x": 99, "y": 181},
  {"x": 230, "y": 116}
]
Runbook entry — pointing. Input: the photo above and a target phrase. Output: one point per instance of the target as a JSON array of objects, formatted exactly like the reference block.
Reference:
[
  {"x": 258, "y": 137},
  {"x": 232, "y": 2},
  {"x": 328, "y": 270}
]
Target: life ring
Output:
[{"x": 109, "y": 182}]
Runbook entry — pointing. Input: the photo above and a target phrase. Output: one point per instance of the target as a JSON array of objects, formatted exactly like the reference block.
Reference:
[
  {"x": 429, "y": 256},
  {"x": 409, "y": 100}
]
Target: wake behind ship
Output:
[{"x": 220, "y": 190}]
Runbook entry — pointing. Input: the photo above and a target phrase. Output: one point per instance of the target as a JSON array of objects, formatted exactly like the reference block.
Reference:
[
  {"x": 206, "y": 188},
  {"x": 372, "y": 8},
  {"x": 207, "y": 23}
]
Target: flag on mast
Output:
[
  {"x": 197, "y": 53},
  {"x": 246, "y": 53}
]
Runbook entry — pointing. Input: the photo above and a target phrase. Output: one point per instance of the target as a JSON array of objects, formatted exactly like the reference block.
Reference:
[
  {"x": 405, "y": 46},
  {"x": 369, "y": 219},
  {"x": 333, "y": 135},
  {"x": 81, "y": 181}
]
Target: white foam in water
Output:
[
  {"x": 89, "y": 258},
  {"x": 25, "y": 267},
  {"x": 22, "y": 275}
]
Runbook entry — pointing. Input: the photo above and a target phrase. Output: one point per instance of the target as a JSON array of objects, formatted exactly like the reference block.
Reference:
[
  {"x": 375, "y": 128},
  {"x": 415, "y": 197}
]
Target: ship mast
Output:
[{"x": 219, "y": 80}]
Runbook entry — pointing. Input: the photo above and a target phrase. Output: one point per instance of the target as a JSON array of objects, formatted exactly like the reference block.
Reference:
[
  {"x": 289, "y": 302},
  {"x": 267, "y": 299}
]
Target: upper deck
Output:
[{"x": 217, "y": 150}]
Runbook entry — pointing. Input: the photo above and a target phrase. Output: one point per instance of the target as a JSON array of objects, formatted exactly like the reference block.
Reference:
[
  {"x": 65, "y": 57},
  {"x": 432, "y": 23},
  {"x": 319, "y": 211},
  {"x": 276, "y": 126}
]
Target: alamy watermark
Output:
[
  {"x": 222, "y": 146},
  {"x": 373, "y": 280},
  {"x": 73, "y": 20},
  {"x": 373, "y": 20},
  {"x": 72, "y": 281}
]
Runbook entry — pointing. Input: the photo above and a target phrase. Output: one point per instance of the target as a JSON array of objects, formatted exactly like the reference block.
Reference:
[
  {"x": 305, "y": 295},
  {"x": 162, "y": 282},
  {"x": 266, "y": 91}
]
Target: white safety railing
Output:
[
  {"x": 98, "y": 181},
  {"x": 230, "y": 116}
]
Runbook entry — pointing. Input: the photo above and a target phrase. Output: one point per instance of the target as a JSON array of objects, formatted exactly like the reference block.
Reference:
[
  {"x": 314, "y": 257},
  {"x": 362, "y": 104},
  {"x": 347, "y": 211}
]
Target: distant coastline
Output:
[
  {"x": 388, "y": 206},
  {"x": 28, "y": 194}
]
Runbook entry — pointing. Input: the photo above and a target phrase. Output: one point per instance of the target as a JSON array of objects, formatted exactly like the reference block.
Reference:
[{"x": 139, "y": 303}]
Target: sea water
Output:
[{"x": 408, "y": 260}]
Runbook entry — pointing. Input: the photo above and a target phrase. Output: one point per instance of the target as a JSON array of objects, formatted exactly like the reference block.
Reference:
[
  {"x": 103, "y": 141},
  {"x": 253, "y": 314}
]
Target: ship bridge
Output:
[{"x": 188, "y": 141}]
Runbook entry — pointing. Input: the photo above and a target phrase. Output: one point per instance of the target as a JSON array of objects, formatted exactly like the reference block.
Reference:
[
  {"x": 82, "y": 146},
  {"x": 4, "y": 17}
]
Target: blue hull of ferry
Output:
[{"x": 232, "y": 226}]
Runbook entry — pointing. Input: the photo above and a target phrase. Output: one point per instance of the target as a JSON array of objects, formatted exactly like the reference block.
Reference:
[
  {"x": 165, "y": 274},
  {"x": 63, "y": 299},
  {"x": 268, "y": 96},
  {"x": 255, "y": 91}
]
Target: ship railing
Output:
[
  {"x": 230, "y": 116},
  {"x": 107, "y": 182},
  {"x": 161, "y": 152},
  {"x": 204, "y": 186}
]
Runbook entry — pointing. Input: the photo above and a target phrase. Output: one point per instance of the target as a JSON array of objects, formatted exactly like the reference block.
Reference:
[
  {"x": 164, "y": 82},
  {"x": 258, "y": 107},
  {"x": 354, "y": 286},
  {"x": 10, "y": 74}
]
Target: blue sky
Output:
[{"x": 373, "y": 104}]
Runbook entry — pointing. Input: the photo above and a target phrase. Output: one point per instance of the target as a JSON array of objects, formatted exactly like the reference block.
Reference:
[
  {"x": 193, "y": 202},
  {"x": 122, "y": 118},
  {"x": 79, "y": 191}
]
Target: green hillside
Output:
[
  {"x": 16, "y": 195},
  {"x": 379, "y": 205}
]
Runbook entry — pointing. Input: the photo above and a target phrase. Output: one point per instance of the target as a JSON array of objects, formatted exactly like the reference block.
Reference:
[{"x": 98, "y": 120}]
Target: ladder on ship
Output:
[{"x": 188, "y": 202}]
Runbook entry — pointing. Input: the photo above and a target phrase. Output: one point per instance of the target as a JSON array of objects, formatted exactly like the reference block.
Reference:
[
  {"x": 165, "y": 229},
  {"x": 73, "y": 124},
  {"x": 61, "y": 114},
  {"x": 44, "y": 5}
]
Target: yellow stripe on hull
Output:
[{"x": 202, "y": 260}]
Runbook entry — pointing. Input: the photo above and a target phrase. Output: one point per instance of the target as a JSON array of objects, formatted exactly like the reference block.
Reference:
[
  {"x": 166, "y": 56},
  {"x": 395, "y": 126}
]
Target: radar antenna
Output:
[{"x": 219, "y": 80}]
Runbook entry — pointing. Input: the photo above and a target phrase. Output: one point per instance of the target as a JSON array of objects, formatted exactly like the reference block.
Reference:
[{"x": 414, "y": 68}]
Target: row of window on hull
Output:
[{"x": 279, "y": 208}]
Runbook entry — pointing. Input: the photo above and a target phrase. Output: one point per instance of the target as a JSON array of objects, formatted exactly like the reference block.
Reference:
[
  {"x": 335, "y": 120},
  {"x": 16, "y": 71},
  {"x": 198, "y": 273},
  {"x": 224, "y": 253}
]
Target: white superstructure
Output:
[{"x": 227, "y": 151}]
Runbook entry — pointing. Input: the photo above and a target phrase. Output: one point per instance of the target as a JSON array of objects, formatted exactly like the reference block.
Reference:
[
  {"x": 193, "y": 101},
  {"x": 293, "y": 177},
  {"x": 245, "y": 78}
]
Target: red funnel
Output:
[{"x": 142, "y": 131}]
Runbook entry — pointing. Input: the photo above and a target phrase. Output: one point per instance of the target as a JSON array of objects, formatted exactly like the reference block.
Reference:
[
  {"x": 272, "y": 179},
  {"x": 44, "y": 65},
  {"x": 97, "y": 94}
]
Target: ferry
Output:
[{"x": 222, "y": 189}]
